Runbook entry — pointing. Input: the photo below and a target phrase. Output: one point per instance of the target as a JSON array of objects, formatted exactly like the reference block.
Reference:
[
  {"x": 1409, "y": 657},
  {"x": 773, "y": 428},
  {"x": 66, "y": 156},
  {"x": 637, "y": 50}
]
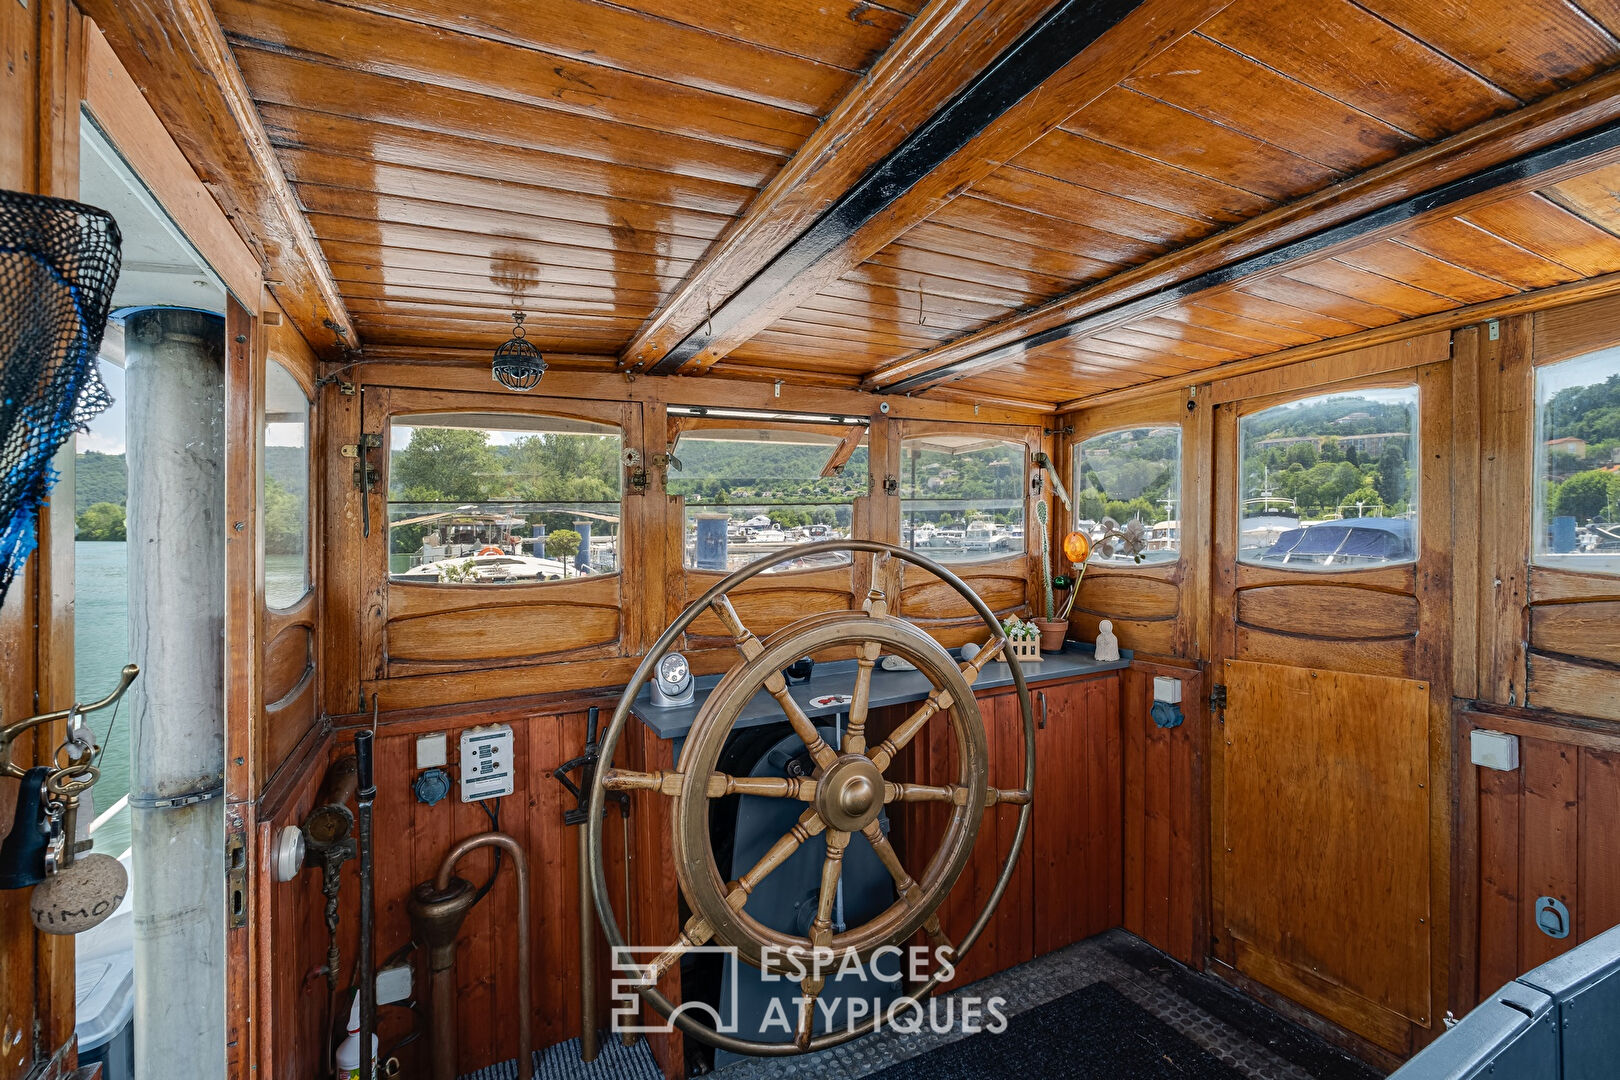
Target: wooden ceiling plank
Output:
[
  {"x": 590, "y": 226},
  {"x": 1156, "y": 345},
  {"x": 362, "y": 297},
  {"x": 1211, "y": 80},
  {"x": 1350, "y": 280},
  {"x": 1351, "y": 309},
  {"x": 1469, "y": 245},
  {"x": 347, "y": 39},
  {"x": 949, "y": 240},
  {"x": 459, "y": 189},
  {"x": 900, "y": 301},
  {"x": 1527, "y": 47},
  {"x": 906, "y": 283},
  {"x": 1235, "y": 301},
  {"x": 841, "y": 311},
  {"x": 1000, "y": 220},
  {"x": 1593, "y": 196},
  {"x": 407, "y": 268},
  {"x": 1532, "y": 221},
  {"x": 1081, "y": 159},
  {"x": 177, "y": 54},
  {"x": 497, "y": 250},
  {"x": 847, "y": 33},
  {"x": 1135, "y": 123},
  {"x": 903, "y": 257},
  {"x": 368, "y": 99},
  {"x": 1111, "y": 213},
  {"x": 935, "y": 56},
  {"x": 385, "y": 310},
  {"x": 321, "y": 148},
  {"x": 1077, "y": 51},
  {"x": 1204, "y": 335},
  {"x": 1394, "y": 259},
  {"x": 1192, "y": 313},
  {"x": 1499, "y": 159},
  {"x": 1355, "y": 57},
  {"x": 605, "y": 35}
]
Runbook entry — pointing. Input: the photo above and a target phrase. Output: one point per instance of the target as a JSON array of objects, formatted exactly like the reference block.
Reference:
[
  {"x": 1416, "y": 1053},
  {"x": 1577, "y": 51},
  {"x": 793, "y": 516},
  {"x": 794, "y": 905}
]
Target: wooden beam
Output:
[
  {"x": 1071, "y": 55},
  {"x": 177, "y": 55},
  {"x": 1507, "y": 150},
  {"x": 1524, "y": 303}
]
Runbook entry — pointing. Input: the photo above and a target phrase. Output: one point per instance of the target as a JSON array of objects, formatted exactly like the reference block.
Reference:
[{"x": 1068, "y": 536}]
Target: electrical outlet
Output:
[
  {"x": 486, "y": 762},
  {"x": 432, "y": 751},
  {"x": 394, "y": 984}
]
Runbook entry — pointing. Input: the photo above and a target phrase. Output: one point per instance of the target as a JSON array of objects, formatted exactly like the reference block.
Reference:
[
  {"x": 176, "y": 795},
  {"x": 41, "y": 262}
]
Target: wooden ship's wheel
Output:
[{"x": 845, "y": 795}]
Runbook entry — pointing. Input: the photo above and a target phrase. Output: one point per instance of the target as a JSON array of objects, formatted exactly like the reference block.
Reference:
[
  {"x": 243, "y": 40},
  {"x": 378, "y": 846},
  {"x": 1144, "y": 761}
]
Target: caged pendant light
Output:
[{"x": 518, "y": 365}]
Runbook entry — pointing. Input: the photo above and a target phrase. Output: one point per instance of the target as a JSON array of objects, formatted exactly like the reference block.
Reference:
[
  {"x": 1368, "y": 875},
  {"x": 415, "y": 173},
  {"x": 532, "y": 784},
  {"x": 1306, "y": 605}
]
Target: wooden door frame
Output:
[{"x": 1432, "y": 660}]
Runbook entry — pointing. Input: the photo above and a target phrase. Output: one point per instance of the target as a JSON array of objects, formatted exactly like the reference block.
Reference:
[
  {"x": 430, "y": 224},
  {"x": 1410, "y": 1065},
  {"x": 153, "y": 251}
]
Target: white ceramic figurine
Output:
[{"x": 1107, "y": 643}]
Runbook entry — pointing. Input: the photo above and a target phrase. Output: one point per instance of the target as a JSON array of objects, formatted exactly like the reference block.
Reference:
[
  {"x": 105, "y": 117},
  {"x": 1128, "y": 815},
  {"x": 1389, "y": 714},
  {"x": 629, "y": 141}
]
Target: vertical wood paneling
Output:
[
  {"x": 1163, "y": 861},
  {"x": 1545, "y": 829}
]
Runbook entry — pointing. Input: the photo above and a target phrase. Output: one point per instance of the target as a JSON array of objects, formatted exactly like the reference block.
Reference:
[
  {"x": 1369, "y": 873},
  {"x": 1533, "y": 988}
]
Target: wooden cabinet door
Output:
[{"x": 1074, "y": 848}]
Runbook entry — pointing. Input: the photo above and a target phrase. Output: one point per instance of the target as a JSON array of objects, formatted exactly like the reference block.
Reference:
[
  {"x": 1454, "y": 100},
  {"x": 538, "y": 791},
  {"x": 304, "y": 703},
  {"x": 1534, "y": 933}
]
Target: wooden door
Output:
[
  {"x": 1074, "y": 845},
  {"x": 1330, "y": 760}
]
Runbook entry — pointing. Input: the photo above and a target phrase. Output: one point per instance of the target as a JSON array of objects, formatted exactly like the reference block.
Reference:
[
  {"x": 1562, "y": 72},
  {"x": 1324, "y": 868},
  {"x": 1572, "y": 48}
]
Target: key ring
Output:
[{"x": 73, "y": 781}]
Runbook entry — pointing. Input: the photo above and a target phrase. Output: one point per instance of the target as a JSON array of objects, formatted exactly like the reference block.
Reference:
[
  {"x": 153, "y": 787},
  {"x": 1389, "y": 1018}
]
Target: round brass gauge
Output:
[{"x": 846, "y": 793}]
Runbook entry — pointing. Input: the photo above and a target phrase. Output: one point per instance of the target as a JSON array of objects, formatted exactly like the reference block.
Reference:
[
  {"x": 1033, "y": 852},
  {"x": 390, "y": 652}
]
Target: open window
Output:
[
  {"x": 284, "y": 492},
  {"x": 501, "y": 499},
  {"x": 753, "y": 490},
  {"x": 962, "y": 496},
  {"x": 1578, "y": 463},
  {"x": 1329, "y": 483},
  {"x": 1131, "y": 475}
]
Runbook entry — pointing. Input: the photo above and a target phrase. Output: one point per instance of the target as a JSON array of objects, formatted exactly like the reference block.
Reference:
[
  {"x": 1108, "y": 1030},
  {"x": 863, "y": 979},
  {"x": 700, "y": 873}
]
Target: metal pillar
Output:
[{"x": 176, "y": 452}]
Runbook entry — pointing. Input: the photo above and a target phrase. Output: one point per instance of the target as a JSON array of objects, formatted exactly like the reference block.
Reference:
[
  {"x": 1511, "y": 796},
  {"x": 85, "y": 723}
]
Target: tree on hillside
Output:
[
  {"x": 455, "y": 463},
  {"x": 1585, "y": 496},
  {"x": 1391, "y": 482},
  {"x": 284, "y": 519},
  {"x": 100, "y": 521}
]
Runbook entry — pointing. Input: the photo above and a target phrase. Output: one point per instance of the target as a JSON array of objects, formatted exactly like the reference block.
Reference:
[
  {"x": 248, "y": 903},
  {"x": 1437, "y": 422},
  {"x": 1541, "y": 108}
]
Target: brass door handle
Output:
[{"x": 1041, "y": 696}]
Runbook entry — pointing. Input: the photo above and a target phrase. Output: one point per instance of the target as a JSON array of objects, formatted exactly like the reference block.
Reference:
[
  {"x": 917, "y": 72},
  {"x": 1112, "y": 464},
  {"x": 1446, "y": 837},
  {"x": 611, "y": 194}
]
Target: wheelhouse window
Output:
[
  {"x": 962, "y": 497},
  {"x": 753, "y": 491},
  {"x": 1131, "y": 475},
  {"x": 1578, "y": 463},
  {"x": 501, "y": 499},
  {"x": 284, "y": 491},
  {"x": 1329, "y": 483}
]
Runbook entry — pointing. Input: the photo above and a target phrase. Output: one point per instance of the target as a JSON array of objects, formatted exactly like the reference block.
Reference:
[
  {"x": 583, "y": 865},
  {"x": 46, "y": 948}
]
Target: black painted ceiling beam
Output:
[
  {"x": 1063, "y": 33},
  {"x": 1576, "y": 148}
]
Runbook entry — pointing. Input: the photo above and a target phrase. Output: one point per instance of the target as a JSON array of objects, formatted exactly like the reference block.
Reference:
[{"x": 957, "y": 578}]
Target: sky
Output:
[{"x": 106, "y": 433}]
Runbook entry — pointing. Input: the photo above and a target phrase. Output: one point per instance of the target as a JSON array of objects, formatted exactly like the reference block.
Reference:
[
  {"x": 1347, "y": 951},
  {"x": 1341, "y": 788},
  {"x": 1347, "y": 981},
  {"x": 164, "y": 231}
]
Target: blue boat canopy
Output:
[{"x": 1370, "y": 538}]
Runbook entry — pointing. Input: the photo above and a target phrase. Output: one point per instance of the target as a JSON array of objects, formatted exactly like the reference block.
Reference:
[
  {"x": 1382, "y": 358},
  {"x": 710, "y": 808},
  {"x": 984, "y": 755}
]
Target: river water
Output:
[{"x": 101, "y": 648}]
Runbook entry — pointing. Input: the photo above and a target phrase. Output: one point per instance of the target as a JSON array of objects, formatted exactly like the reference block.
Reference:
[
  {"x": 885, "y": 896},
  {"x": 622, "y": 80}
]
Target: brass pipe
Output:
[
  {"x": 444, "y": 991},
  {"x": 588, "y": 1043}
]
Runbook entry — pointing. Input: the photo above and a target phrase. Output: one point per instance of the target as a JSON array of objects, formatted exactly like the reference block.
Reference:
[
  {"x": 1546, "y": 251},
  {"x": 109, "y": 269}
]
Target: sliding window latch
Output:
[{"x": 359, "y": 452}]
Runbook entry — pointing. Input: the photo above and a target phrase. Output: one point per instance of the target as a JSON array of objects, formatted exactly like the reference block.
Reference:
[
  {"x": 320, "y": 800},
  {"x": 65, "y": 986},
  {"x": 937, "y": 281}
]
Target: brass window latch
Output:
[{"x": 367, "y": 441}]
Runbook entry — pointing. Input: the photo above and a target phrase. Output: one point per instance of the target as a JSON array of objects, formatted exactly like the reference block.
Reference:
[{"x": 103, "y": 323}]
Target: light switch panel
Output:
[
  {"x": 432, "y": 751},
  {"x": 486, "y": 762},
  {"x": 1494, "y": 750}
]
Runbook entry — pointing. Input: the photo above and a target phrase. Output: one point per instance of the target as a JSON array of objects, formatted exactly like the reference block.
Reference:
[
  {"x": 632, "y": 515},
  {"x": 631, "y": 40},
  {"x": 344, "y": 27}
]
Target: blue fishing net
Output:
[{"x": 58, "y": 264}]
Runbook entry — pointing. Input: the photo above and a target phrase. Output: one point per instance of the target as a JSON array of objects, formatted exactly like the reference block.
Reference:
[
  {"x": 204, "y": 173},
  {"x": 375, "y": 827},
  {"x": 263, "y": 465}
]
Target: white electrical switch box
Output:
[
  {"x": 394, "y": 983},
  {"x": 1494, "y": 750},
  {"x": 432, "y": 751},
  {"x": 1167, "y": 689},
  {"x": 486, "y": 762}
]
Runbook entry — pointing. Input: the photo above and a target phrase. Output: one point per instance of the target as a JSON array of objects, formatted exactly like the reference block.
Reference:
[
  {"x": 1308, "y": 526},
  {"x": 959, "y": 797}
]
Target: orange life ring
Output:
[{"x": 490, "y": 549}]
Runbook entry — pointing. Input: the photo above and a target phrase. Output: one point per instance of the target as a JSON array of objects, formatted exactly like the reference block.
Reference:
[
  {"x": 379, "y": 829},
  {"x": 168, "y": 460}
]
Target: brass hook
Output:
[{"x": 9, "y": 734}]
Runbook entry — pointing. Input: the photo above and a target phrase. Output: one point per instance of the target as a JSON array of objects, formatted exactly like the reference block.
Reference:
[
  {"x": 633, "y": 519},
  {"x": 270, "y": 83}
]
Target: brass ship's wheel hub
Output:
[
  {"x": 842, "y": 802},
  {"x": 849, "y": 795}
]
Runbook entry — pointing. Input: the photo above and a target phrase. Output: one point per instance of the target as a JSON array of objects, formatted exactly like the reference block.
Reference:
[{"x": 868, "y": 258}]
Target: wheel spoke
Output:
[
  {"x": 821, "y": 933},
  {"x": 866, "y": 655},
  {"x": 696, "y": 932},
  {"x": 749, "y": 645},
  {"x": 956, "y": 794},
  {"x": 889, "y": 748},
  {"x": 808, "y": 825},
  {"x": 909, "y": 890},
  {"x": 669, "y": 783}
]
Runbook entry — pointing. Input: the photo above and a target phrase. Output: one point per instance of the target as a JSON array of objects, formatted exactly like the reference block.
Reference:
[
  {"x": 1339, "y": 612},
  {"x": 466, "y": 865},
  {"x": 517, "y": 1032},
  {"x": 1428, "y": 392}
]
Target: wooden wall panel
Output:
[
  {"x": 1165, "y": 849},
  {"x": 1545, "y": 829}
]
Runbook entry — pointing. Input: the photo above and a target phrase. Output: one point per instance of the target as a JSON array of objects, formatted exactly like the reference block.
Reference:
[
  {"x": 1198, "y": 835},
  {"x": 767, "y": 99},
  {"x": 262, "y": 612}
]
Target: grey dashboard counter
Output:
[{"x": 888, "y": 688}]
